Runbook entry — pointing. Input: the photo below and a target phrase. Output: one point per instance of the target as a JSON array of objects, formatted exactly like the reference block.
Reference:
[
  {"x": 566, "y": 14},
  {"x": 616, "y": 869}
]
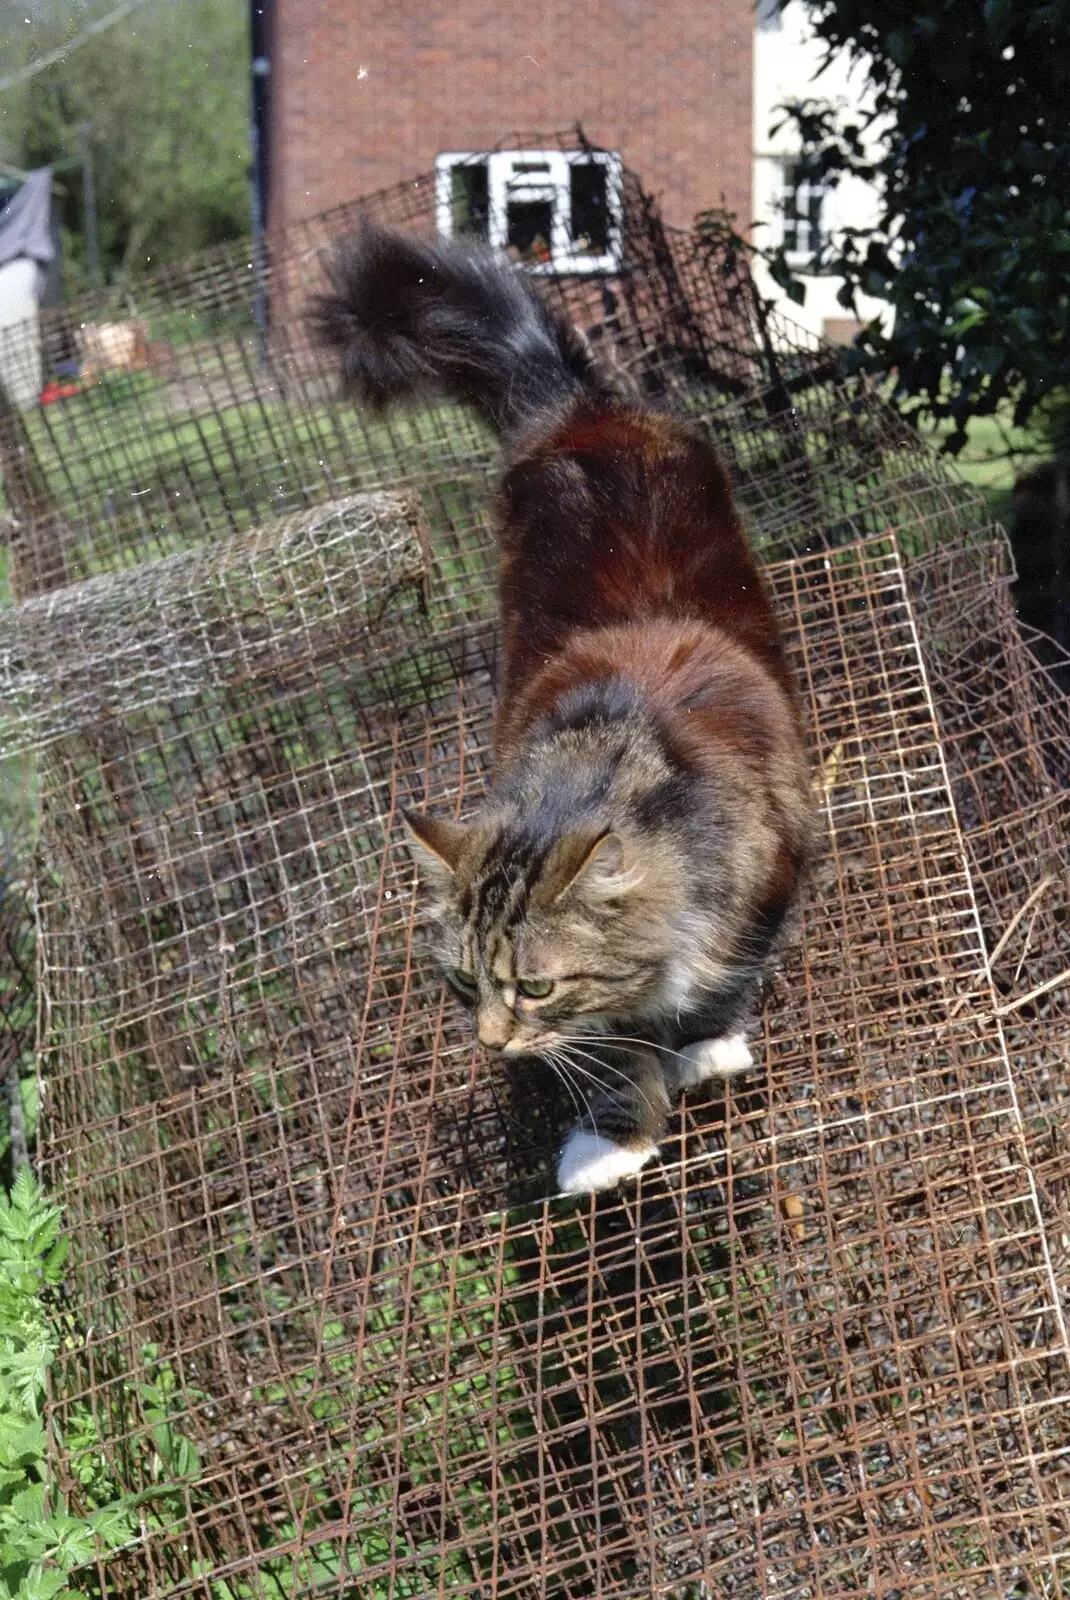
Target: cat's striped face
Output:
[{"x": 548, "y": 943}]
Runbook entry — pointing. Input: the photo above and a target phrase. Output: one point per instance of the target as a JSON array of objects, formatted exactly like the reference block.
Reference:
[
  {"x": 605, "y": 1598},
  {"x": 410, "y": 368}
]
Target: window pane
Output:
[
  {"x": 801, "y": 204},
  {"x": 590, "y": 207},
  {"x": 470, "y": 200},
  {"x": 529, "y": 228},
  {"x": 814, "y": 209},
  {"x": 789, "y": 201}
]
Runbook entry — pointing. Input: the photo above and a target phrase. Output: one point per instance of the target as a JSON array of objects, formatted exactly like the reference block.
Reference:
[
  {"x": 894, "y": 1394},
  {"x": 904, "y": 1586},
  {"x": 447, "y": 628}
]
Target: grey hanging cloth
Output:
[{"x": 26, "y": 221}]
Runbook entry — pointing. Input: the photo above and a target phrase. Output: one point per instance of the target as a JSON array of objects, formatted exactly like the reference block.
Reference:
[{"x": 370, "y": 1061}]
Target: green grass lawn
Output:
[
  {"x": 138, "y": 469},
  {"x": 139, "y": 474},
  {"x": 994, "y": 456},
  {"x": 985, "y": 461}
]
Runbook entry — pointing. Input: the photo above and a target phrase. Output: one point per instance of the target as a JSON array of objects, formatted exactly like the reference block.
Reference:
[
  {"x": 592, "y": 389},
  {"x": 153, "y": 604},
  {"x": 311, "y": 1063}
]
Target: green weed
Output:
[{"x": 42, "y": 1543}]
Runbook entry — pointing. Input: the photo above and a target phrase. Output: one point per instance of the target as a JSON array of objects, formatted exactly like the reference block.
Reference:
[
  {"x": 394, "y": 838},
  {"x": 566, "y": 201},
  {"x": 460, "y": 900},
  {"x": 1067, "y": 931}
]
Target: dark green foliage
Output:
[
  {"x": 972, "y": 168},
  {"x": 39, "y": 1542},
  {"x": 166, "y": 91},
  {"x": 42, "y": 1542}
]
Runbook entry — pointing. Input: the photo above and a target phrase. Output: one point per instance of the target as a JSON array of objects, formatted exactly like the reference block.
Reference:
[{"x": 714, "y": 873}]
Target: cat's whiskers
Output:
[
  {"x": 564, "y": 1068},
  {"x": 560, "y": 1071},
  {"x": 617, "y": 1097},
  {"x": 623, "y": 1038}
]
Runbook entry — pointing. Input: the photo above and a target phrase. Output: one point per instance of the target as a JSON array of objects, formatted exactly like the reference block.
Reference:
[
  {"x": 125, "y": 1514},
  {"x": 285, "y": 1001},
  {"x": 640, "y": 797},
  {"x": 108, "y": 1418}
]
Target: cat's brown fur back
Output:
[{"x": 656, "y": 583}]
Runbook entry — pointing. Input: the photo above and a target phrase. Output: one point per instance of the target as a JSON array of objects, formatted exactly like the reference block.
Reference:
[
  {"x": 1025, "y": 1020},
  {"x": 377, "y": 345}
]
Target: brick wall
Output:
[{"x": 367, "y": 94}]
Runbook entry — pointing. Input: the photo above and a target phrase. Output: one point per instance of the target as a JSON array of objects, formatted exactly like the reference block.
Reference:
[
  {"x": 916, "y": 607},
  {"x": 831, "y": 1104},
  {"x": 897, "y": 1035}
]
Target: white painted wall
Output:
[
  {"x": 786, "y": 59},
  {"x": 20, "y": 337}
]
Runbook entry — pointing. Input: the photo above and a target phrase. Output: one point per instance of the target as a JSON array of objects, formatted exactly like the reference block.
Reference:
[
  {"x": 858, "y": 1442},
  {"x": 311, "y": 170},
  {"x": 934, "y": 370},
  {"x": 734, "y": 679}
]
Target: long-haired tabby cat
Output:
[{"x": 614, "y": 904}]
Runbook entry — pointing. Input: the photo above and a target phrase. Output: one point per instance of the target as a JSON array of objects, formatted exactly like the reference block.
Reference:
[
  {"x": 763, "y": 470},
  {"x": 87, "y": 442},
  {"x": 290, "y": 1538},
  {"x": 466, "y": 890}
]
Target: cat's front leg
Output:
[
  {"x": 725, "y": 1057},
  {"x": 623, "y": 1137},
  {"x": 590, "y": 1162},
  {"x": 627, "y": 1118}
]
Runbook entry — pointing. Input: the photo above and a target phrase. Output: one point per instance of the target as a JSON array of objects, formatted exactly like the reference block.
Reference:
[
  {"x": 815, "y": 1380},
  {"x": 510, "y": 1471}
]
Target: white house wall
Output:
[
  {"x": 20, "y": 336},
  {"x": 786, "y": 63}
]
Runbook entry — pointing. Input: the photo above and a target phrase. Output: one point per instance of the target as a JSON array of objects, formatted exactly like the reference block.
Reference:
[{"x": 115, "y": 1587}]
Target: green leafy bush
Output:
[
  {"x": 40, "y": 1543},
  {"x": 959, "y": 138}
]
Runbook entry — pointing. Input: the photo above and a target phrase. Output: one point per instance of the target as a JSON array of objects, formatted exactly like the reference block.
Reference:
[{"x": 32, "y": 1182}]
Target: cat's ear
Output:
[
  {"x": 436, "y": 843},
  {"x": 591, "y": 865}
]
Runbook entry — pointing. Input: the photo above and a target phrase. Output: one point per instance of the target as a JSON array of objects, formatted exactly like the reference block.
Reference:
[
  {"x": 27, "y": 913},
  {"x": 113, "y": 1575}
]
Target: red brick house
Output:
[{"x": 354, "y": 98}]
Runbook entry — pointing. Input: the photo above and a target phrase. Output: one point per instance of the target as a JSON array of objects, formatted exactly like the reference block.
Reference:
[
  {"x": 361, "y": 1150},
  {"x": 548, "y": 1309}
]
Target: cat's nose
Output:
[{"x": 494, "y": 1032}]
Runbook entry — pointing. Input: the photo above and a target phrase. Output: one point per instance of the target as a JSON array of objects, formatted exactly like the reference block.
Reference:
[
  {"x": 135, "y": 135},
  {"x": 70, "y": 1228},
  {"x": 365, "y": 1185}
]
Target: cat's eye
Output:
[
  {"x": 464, "y": 982},
  {"x": 534, "y": 988}
]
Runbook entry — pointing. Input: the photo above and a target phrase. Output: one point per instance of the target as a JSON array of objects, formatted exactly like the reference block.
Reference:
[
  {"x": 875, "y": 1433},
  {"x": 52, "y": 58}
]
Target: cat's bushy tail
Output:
[{"x": 412, "y": 320}]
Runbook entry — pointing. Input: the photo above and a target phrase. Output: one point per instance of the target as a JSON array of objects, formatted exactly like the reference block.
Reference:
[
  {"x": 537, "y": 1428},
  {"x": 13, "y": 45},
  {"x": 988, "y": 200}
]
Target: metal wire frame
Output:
[
  {"x": 820, "y": 1350},
  {"x": 16, "y": 995},
  {"x": 321, "y": 1298},
  {"x": 224, "y": 414}
]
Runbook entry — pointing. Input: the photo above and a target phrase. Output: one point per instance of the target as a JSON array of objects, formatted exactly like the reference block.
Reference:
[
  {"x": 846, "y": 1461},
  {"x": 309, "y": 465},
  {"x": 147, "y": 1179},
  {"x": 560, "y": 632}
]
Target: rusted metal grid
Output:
[
  {"x": 17, "y": 1019},
  {"x": 223, "y": 415},
  {"x": 319, "y": 1289}
]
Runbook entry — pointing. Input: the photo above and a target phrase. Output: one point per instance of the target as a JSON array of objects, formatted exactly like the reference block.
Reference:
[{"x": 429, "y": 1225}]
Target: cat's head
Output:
[{"x": 547, "y": 940}]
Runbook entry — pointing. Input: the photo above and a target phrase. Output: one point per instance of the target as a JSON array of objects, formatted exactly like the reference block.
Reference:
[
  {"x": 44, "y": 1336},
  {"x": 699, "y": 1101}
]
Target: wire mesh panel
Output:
[
  {"x": 328, "y": 1317},
  {"x": 199, "y": 406},
  {"x": 818, "y": 1350}
]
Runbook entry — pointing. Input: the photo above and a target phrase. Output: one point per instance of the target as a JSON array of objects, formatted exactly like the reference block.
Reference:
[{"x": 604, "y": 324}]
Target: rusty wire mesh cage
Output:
[
  {"x": 17, "y": 990},
  {"x": 201, "y": 407},
  {"x": 323, "y": 1303}
]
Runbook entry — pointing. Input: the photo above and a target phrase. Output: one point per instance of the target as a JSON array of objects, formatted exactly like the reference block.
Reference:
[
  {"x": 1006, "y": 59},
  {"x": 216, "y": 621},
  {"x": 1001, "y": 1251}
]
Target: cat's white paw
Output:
[
  {"x": 713, "y": 1058},
  {"x": 590, "y": 1162}
]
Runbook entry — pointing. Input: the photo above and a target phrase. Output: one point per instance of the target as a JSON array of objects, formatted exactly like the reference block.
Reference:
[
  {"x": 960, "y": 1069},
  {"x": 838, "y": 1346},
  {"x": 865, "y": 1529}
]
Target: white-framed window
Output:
[
  {"x": 802, "y": 201},
  {"x": 556, "y": 211}
]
